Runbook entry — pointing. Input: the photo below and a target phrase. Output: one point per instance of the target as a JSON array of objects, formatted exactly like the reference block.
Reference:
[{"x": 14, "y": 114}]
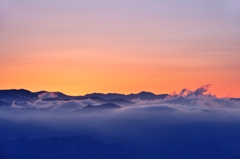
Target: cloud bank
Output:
[{"x": 190, "y": 122}]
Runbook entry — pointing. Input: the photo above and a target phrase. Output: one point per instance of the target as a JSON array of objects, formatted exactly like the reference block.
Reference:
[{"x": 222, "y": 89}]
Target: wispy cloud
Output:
[{"x": 62, "y": 117}]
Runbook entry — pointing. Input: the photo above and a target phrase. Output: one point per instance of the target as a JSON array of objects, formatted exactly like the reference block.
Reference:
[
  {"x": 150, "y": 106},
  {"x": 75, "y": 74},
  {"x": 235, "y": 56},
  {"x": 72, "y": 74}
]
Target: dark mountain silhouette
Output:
[
  {"x": 100, "y": 97},
  {"x": 107, "y": 106},
  {"x": 40, "y": 92},
  {"x": 235, "y": 99},
  {"x": 106, "y": 96},
  {"x": 118, "y": 101},
  {"x": 83, "y": 147},
  {"x": 60, "y": 96},
  {"x": 141, "y": 95},
  {"x": 22, "y": 96},
  {"x": 147, "y": 96}
]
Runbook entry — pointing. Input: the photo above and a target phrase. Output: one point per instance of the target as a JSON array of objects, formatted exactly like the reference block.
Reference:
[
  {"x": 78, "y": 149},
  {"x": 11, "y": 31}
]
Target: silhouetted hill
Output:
[
  {"x": 141, "y": 95},
  {"x": 59, "y": 96},
  {"x": 146, "y": 96},
  {"x": 20, "y": 95},
  {"x": 100, "y": 100},
  {"x": 120, "y": 101},
  {"x": 106, "y": 96},
  {"x": 83, "y": 147},
  {"x": 107, "y": 106},
  {"x": 235, "y": 99}
]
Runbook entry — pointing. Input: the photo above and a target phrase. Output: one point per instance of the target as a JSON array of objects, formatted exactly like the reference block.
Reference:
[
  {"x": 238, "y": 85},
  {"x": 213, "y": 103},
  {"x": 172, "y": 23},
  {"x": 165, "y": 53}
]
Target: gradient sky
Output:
[{"x": 124, "y": 46}]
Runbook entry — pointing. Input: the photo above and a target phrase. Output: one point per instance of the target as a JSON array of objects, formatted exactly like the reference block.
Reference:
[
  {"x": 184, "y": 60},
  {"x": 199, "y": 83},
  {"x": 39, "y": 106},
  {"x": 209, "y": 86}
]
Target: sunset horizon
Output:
[
  {"x": 119, "y": 79},
  {"x": 127, "y": 93},
  {"x": 80, "y": 47}
]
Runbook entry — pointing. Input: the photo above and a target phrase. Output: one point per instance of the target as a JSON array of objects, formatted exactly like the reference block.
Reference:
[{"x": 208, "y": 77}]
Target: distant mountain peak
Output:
[
  {"x": 146, "y": 93},
  {"x": 23, "y": 95},
  {"x": 47, "y": 95},
  {"x": 107, "y": 106}
]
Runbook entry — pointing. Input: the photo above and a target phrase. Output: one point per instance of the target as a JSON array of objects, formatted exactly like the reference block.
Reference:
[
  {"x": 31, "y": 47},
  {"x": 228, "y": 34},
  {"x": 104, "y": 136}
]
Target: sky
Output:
[{"x": 123, "y": 46}]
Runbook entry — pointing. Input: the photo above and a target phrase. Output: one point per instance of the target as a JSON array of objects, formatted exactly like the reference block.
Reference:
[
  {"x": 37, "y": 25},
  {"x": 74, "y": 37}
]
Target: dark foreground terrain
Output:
[{"x": 82, "y": 147}]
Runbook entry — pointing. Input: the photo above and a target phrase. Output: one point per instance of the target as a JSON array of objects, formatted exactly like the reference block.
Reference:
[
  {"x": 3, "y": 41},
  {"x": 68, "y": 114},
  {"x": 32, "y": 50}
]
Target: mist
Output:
[{"x": 159, "y": 127}]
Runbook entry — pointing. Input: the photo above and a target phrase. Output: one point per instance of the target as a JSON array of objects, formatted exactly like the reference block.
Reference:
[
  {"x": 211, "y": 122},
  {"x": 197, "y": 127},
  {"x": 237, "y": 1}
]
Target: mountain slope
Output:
[
  {"x": 107, "y": 106},
  {"x": 20, "y": 95},
  {"x": 82, "y": 147}
]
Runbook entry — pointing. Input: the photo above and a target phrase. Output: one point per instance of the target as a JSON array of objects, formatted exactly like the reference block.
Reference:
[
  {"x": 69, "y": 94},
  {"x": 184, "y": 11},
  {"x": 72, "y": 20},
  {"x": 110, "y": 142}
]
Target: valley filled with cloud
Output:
[{"x": 191, "y": 123}]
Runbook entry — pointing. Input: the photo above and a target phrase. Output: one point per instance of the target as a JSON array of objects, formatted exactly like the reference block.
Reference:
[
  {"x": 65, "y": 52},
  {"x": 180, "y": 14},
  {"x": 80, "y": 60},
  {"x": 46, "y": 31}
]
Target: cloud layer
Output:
[{"x": 158, "y": 126}]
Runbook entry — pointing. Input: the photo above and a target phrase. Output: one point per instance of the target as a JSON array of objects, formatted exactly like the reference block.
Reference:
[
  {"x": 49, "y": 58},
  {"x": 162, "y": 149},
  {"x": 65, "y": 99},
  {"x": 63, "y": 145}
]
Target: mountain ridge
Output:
[{"x": 23, "y": 95}]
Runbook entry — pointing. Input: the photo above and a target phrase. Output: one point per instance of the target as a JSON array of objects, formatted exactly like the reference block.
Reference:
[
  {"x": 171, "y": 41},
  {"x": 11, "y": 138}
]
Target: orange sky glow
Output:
[{"x": 116, "y": 48}]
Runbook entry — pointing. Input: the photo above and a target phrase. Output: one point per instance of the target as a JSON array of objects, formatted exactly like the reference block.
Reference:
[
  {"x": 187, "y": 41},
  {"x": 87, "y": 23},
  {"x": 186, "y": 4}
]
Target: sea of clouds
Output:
[{"x": 190, "y": 119}]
